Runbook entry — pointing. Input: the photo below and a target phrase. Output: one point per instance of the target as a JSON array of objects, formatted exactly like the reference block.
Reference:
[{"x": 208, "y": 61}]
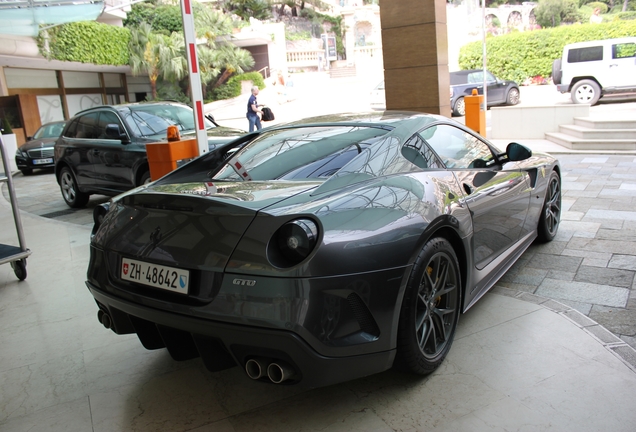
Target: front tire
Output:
[
  {"x": 586, "y": 92},
  {"x": 430, "y": 310},
  {"x": 26, "y": 171},
  {"x": 70, "y": 191},
  {"x": 551, "y": 211},
  {"x": 460, "y": 107}
]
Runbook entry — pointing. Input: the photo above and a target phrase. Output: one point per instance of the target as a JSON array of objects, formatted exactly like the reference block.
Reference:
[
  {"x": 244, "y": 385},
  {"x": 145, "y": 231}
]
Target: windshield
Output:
[
  {"x": 53, "y": 130},
  {"x": 299, "y": 153},
  {"x": 149, "y": 120}
]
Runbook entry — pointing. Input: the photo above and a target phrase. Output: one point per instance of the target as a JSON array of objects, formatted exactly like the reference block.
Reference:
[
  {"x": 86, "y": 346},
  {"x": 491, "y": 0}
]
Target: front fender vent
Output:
[{"x": 363, "y": 315}]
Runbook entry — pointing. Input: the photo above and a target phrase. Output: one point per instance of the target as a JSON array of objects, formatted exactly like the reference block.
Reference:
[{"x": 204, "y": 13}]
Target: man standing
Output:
[{"x": 254, "y": 113}]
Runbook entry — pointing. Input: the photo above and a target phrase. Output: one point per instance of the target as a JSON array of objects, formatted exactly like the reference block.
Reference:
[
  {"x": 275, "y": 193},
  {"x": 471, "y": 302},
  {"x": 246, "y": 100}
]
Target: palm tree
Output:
[
  {"x": 155, "y": 55},
  {"x": 231, "y": 59}
]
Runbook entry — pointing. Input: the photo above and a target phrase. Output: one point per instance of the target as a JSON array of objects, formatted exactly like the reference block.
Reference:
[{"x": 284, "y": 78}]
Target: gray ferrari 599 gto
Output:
[{"x": 323, "y": 250}]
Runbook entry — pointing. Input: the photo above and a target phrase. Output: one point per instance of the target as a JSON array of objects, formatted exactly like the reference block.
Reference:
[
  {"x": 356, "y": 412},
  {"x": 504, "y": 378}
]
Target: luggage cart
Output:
[{"x": 16, "y": 256}]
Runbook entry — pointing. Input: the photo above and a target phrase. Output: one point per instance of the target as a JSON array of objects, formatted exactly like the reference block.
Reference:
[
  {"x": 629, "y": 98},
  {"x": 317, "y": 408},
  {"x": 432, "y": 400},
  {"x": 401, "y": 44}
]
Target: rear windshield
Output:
[{"x": 302, "y": 153}]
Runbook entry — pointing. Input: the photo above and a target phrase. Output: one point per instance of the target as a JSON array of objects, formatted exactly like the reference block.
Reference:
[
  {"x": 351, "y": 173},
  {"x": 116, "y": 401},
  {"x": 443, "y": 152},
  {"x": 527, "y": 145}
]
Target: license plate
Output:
[
  {"x": 168, "y": 278},
  {"x": 42, "y": 161}
]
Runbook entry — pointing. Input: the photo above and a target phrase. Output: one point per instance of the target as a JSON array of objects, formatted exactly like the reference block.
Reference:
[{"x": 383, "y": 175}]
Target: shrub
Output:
[
  {"x": 232, "y": 88},
  {"x": 518, "y": 56},
  {"x": 88, "y": 42}
]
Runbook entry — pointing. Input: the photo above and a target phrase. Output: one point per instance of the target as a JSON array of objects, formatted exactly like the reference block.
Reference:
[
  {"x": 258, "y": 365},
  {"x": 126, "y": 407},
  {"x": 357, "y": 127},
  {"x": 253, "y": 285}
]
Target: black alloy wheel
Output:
[
  {"x": 551, "y": 212},
  {"x": 430, "y": 310}
]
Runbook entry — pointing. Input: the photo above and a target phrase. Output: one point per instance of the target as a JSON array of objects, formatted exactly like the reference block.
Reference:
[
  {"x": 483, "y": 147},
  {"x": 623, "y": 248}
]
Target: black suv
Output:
[{"x": 102, "y": 150}]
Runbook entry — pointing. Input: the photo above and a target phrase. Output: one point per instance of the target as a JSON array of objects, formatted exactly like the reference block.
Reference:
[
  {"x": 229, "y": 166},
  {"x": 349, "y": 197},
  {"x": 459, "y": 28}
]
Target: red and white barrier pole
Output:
[{"x": 195, "y": 77}]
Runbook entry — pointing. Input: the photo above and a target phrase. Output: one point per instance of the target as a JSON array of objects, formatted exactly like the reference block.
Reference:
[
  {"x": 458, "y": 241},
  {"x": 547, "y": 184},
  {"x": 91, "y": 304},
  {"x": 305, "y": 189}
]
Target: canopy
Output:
[{"x": 23, "y": 17}]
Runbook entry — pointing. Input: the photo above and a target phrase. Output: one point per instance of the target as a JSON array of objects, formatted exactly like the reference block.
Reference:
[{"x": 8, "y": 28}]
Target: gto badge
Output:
[{"x": 244, "y": 282}]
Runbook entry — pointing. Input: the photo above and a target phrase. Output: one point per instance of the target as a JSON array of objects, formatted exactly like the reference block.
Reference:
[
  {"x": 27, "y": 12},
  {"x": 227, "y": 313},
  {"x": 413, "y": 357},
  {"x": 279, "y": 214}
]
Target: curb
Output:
[{"x": 610, "y": 342}]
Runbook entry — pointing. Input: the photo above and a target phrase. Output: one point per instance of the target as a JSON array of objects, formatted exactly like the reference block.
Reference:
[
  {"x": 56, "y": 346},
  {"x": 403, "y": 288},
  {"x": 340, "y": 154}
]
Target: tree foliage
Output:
[
  {"x": 162, "y": 18},
  {"x": 551, "y": 13},
  {"x": 246, "y": 9}
]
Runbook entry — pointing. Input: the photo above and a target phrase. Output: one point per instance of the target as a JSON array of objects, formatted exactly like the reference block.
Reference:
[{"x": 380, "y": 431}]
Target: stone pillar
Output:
[{"x": 415, "y": 50}]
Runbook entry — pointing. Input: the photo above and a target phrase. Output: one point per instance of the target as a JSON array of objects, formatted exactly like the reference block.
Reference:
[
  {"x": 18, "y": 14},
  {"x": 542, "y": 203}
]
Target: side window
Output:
[
  {"x": 106, "y": 118},
  {"x": 87, "y": 126},
  {"x": 579, "y": 55},
  {"x": 624, "y": 50},
  {"x": 71, "y": 132},
  {"x": 419, "y": 154},
  {"x": 458, "y": 149}
]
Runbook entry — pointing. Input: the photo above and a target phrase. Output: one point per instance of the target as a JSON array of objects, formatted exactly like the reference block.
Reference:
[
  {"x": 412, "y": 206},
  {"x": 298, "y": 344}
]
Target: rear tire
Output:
[
  {"x": 430, "y": 309},
  {"x": 551, "y": 211},
  {"x": 70, "y": 191},
  {"x": 586, "y": 92},
  {"x": 144, "y": 179},
  {"x": 513, "y": 96},
  {"x": 460, "y": 107}
]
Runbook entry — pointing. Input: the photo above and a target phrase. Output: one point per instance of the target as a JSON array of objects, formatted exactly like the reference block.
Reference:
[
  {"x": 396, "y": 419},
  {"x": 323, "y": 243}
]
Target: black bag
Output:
[{"x": 268, "y": 115}]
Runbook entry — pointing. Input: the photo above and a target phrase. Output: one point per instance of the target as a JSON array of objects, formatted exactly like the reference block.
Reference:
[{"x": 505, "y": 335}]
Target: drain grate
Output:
[{"x": 59, "y": 213}]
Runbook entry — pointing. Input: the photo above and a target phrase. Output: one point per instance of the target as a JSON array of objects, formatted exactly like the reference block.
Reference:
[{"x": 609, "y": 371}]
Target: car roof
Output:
[
  {"x": 598, "y": 42},
  {"x": 128, "y": 105},
  {"x": 388, "y": 119}
]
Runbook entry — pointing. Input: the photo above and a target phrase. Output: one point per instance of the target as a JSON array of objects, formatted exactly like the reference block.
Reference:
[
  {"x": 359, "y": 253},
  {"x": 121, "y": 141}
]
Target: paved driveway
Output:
[{"x": 590, "y": 266}]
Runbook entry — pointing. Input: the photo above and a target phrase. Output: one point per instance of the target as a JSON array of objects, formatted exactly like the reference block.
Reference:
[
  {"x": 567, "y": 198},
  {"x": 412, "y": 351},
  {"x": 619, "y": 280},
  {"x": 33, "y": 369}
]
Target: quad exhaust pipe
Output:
[{"x": 277, "y": 371}]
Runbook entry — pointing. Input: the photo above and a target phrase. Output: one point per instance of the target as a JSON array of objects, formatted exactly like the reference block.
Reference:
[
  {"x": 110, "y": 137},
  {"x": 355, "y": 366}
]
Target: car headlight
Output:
[
  {"x": 293, "y": 242},
  {"x": 20, "y": 153}
]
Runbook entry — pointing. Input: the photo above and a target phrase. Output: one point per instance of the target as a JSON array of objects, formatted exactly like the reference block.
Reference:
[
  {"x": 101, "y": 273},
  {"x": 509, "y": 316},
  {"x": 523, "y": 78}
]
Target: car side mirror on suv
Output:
[{"x": 113, "y": 132}]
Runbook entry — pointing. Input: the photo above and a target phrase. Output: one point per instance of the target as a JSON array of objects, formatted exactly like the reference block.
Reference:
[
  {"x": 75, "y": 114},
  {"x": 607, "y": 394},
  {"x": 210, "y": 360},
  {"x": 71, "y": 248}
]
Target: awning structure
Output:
[{"x": 24, "y": 17}]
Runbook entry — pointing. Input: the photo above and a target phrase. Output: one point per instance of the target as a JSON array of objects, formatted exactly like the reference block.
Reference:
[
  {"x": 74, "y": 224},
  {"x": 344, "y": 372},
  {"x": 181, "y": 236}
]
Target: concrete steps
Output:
[
  {"x": 342, "y": 72},
  {"x": 596, "y": 134}
]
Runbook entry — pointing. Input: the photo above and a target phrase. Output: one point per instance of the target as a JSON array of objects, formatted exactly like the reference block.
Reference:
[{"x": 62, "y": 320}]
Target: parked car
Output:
[
  {"x": 37, "y": 152},
  {"x": 322, "y": 250},
  {"x": 102, "y": 150},
  {"x": 462, "y": 83},
  {"x": 593, "y": 69}
]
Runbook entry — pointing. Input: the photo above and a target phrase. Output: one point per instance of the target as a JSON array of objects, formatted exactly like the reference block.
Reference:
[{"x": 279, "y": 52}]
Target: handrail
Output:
[{"x": 264, "y": 69}]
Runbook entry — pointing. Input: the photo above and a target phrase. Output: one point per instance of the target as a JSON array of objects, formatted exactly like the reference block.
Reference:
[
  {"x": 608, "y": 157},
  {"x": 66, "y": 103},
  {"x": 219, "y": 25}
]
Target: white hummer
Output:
[{"x": 590, "y": 70}]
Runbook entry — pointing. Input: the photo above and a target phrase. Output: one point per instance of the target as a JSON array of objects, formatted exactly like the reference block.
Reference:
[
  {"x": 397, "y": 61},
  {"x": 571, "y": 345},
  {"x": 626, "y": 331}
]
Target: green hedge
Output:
[
  {"x": 88, "y": 42},
  {"x": 518, "y": 56},
  {"x": 232, "y": 88}
]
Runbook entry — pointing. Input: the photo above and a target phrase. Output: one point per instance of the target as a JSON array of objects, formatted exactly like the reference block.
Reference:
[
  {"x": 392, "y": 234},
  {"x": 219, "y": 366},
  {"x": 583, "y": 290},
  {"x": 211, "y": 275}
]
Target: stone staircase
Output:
[
  {"x": 342, "y": 71},
  {"x": 596, "y": 134}
]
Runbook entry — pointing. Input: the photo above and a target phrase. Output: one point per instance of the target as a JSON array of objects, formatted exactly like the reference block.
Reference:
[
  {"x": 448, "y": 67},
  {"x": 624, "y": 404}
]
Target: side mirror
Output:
[
  {"x": 113, "y": 132},
  {"x": 29, "y": 138},
  {"x": 517, "y": 152}
]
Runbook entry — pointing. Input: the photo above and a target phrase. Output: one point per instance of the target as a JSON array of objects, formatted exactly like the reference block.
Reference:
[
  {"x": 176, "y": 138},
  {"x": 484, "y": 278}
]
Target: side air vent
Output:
[{"x": 363, "y": 315}]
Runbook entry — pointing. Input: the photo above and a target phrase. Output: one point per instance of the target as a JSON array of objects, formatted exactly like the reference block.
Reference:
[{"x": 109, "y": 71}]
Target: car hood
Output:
[
  {"x": 38, "y": 143},
  {"x": 175, "y": 224}
]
